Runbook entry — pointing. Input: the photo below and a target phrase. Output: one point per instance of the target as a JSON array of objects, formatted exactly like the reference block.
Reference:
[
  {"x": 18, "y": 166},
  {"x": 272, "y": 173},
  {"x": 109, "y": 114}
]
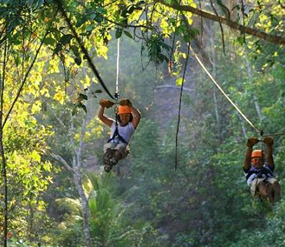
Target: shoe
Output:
[
  {"x": 107, "y": 168},
  {"x": 108, "y": 155},
  {"x": 108, "y": 159}
]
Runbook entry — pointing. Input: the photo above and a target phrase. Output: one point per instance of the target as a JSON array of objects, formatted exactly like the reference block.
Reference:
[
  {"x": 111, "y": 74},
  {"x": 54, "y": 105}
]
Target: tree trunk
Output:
[
  {"x": 4, "y": 174},
  {"x": 3, "y": 159},
  {"x": 76, "y": 170},
  {"x": 77, "y": 177},
  {"x": 250, "y": 75},
  {"x": 212, "y": 58}
]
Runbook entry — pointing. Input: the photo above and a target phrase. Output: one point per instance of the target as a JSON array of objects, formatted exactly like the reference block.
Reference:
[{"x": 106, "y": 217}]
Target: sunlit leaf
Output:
[
  {"x": 59, "y": 96},
  {"x": 179, "y": 81}
]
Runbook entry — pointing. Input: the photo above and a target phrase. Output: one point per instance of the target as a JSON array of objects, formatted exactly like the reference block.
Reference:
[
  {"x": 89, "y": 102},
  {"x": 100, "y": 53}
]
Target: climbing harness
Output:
[{"x": 117, "y": 136}]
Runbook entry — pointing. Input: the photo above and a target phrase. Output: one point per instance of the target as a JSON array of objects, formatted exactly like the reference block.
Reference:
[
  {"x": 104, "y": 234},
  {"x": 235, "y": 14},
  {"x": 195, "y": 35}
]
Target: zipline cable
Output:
[
  {"x": 117, "y": 84},
  {"x": 118, "y": 69},
  {"x": 83, "y": 49},
  {"x": 223, "y": 92}
]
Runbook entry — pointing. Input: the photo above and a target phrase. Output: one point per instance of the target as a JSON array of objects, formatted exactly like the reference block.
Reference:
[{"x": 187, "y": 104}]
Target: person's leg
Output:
[
  {"x": 120, "y": 151},
  {"x": 117, "y": 155},
  {"x": 277, "y": 191},
  {"x": 109, "y": 153},
  {"x": 270, "y": 192},
  {"x": 274, "y": 189},
  {"x": 262, "y": 189}
]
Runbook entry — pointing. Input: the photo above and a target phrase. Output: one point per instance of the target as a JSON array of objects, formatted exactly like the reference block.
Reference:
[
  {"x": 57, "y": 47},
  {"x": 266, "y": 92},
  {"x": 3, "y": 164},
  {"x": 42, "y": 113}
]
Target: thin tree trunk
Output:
[
  {"x": 76, "y": 170},
  {"x": 77, "y": 162},
  {"x": 77, "y": 177},
  {"x": 4, "y": 174},
  {"x": 250, "y": 75},
  {"x": 213, "y": 59},
  {"x": 4, "y": 164},
  {"x": 243, "y": 127}
]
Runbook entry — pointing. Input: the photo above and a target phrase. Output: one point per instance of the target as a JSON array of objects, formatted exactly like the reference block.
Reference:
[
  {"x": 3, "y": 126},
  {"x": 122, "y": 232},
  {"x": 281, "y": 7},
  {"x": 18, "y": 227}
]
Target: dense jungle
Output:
[{"x": 206, "y": 75}]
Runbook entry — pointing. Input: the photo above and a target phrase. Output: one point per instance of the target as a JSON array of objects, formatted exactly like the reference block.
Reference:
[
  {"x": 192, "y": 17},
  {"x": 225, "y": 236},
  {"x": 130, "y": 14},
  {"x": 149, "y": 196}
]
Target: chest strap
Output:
[
  {"x": 259, "y": 174},
  {"x": 117, "y": 135}
]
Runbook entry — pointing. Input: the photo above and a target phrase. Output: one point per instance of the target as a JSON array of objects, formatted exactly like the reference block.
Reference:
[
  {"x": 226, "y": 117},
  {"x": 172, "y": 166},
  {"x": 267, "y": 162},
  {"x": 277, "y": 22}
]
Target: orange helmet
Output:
[
  {"x": 124, "y": 109},
  {"x": 257, "y": 154}
]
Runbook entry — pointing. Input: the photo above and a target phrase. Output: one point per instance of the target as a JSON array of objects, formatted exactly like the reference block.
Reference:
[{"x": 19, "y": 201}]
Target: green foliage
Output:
[
  {"x": 205, "y": 202},
  {"x": 155, "y": 47}
]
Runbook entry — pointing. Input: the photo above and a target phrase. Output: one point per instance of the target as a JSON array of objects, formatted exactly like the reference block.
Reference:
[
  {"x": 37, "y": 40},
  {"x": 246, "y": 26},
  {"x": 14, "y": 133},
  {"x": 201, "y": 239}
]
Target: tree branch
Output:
[
  {"x": 243, "y": 29},
  {"x": 62, "y": 161}
]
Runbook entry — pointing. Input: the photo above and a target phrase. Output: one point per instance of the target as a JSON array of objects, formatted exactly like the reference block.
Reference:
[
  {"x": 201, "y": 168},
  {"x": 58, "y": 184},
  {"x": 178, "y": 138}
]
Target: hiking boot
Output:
[
  {"x": 108, "y": 155},
  {"x": 109, "y": 165},
  {"x": 108, "y": 159},
  {"x": 107, "y": 168}
]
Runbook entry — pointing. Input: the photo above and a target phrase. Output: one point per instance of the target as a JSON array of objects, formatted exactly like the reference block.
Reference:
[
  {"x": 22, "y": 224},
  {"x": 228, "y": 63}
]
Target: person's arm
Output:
[
  {"x": 136, "y": 117},
  {"x": 101, "y": 115},
  {"x": 247, "y": 160},
  {"x": 269, "y": 150}
]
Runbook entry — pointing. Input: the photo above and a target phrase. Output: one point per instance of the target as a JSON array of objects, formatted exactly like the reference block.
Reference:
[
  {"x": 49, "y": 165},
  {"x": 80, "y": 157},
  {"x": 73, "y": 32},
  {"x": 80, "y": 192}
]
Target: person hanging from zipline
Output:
[
  {"x": 259, "y": 171},
  {"x": 122, "y": 129}
]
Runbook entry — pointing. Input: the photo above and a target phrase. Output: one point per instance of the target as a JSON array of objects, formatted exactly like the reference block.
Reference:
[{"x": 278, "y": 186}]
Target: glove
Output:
[
  {"x": 268, "y": 140},
  {"x": 252, "y": 141},
  {"x": 124, "y": 102},
  {"x": 106, "y": 103}
]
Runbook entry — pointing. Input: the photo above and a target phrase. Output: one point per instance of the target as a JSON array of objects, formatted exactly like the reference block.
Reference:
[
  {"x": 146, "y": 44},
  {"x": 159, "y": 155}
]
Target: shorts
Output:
[
  {"x": 256, "y": 181},
  {"x": 121, "y": 147}
]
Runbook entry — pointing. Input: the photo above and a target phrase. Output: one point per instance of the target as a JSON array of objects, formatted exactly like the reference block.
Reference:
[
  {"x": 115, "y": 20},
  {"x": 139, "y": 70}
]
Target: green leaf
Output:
[
  {"x": 179, "y": 81},
  {"x": 128, "y": 34},
  {"x": 241, "y": 40},
  {"x": 49, "y": 41},
  {"x": 98, "y": 91},
  {"x": 57, "y": 49},
  {"x": 89, "y": 28},
  {"x": 66, "y": 39},
  {"x": 83, "y": 96},
  {"x": 75, "y": 50},
  {"x": 118, "y": 33},
  {"x": 99, "y": 17},
  {"x": 80, "y": 105},
  {"x": 78, "y": 60}
]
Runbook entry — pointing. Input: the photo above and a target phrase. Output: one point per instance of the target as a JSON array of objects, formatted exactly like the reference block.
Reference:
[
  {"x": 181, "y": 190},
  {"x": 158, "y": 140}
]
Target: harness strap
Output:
[
  {"x": 259, "y": 174},
  {"x": 117, "y": 135}
]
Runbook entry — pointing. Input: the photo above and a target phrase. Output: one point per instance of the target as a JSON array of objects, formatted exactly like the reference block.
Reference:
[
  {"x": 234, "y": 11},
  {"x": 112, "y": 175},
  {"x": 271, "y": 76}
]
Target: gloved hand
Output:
[
  {"x": 106, "y": 103},
  {"x": 252, "y": 141},
  {"x": 268, "y": 140},
  {"x": 124, "y": 102}
]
